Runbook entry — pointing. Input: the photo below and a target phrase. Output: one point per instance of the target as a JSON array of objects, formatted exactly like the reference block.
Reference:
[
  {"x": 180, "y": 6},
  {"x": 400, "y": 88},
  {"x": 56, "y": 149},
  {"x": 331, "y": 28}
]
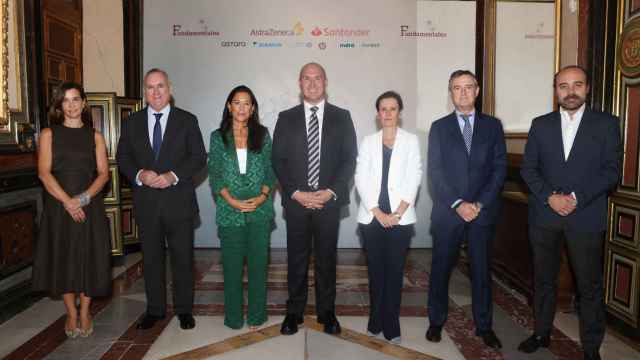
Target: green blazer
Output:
[{"x": 224, "y": 172}]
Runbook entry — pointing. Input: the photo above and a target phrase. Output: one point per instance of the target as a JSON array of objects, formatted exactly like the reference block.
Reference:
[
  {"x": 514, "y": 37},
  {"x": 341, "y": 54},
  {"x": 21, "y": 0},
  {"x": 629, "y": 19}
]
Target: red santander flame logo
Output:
[{"x": 316, "y": 31}]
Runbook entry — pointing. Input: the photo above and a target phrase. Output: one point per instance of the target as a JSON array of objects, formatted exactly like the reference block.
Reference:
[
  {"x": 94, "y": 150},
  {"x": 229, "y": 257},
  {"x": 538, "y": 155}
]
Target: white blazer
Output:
[{"x": 405, "y": 173}]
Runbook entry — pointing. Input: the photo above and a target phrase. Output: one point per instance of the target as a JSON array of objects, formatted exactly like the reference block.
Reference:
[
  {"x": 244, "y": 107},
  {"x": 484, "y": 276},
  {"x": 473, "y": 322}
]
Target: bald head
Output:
[{"x": 313, "y": 83}]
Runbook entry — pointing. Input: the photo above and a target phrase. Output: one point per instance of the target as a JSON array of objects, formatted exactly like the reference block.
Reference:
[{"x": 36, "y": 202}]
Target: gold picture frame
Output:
[
  {"x": 111, "y": 193},
  {"x": 7, "y": 127},
  {"x": 115, "y": 234}
]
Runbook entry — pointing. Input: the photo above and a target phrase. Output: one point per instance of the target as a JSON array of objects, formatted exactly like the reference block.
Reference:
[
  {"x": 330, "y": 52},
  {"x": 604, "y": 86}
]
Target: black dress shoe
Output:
[
  {"x": 290, "y": 324},
  {"x": 331, "y": 324},
  {"x": 148, "y": 321},
  {"x": 592, "y": 356},
  {"x": 533, "y": 343},
  {"x": 186, "y": 321},
  {"x": 490, "y": 339},
  {"x": 434, "y": 334}
]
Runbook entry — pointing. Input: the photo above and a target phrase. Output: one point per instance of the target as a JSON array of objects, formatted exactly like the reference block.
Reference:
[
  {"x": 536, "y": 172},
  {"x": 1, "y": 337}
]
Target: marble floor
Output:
[{"x": 37, "y": 332}]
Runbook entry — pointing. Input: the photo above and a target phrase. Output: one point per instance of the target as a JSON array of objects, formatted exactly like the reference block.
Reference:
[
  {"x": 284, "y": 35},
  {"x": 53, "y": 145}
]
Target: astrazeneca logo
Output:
[
  {"x": 297, "y": 30},
  {"x": 260, "y": 44},
  {"x": 233, "y": 44}
]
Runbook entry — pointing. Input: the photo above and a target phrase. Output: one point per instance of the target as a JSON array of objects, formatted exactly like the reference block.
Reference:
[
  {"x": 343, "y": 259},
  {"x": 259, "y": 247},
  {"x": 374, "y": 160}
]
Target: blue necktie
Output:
[
  {"x": 467, "y": 133},
  {"x": 157, "y": 135}
]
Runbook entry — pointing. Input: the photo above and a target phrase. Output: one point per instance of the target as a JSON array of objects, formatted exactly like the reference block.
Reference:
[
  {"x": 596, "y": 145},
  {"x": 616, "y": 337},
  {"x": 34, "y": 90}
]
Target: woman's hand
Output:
[
  {"x": 73, "y": 204},
  {"x": 77, "y": 215},
  {"x": 386, "y": 220},
  {"x": 257, "y": 201},
  {"x": 242, "y": 205}
]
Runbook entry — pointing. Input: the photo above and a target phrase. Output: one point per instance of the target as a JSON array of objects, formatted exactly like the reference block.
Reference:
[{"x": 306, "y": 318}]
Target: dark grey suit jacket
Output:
[{"x": 338, "y": 153}]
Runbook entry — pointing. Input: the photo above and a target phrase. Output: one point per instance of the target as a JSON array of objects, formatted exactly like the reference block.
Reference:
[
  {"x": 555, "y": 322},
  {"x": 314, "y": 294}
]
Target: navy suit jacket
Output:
[
  {"x": 455, "y": 174},
  {"x": 591, "y": 171}
]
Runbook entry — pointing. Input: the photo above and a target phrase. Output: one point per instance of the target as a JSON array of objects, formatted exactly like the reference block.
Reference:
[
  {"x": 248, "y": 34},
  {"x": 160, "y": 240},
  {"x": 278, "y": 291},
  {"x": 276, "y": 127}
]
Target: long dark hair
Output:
[
  {"x": 256, "y": 131},
  {"x": 56, "y": 115}
]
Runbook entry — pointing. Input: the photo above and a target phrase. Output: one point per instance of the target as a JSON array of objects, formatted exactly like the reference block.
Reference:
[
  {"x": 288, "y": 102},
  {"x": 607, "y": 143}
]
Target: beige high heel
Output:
[
  {"x": 86, "y": 333},
  {"x": 72, "y": 333}
]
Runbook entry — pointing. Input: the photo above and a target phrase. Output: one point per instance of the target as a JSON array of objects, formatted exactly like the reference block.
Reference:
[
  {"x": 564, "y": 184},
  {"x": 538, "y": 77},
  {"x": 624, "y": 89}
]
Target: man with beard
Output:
[{"x": 571, "y": 162}]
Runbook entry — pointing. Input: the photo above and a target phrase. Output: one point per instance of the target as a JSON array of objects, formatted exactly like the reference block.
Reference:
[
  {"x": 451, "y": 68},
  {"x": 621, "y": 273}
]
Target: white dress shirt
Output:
[
  {"x": 570, "y": 124},
  {"x": 242, "y": 160}
]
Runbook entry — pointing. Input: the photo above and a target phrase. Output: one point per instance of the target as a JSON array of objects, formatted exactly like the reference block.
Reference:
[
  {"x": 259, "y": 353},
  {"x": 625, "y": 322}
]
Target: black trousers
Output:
[
  {"x": 446, "y": 249},
  {"x": 585, "y": 255},
  {"x": 386, "y": 254},
  {"x": 307, "y": 230},
  {"x": 179, "y": 239}
]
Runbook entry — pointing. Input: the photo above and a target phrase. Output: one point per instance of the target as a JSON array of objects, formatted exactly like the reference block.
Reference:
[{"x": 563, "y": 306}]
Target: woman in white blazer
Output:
[{"x": 388, "y": 174}]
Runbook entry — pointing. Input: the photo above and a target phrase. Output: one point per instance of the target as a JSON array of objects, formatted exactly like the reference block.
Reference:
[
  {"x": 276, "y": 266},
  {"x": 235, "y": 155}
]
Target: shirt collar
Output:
[
  {"x": 576, "y": 116},
  {"x": 165, "y": 111},
  {"x": 308, "y": 106}
]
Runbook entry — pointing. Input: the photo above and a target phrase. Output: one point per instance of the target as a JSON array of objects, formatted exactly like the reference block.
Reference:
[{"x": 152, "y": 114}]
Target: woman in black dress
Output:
[{"x": 72, "y": 255}]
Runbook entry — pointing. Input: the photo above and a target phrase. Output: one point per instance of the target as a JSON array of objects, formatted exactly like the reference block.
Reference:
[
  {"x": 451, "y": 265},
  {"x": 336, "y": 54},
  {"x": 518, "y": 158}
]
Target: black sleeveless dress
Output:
[{"x": 72, "y": 257}]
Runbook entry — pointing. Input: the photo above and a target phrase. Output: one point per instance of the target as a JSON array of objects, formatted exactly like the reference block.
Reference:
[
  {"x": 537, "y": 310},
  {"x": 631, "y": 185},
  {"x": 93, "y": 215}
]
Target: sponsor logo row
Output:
[{"x": 298, "y": 44}]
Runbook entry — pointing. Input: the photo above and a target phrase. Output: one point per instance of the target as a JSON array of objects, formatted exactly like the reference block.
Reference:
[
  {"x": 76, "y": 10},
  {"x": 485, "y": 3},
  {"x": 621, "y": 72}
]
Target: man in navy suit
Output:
[
  {"x": 160, "y": 150},
  {"x": 467, "y": 165},
  {"x": 571, "y": 162}
]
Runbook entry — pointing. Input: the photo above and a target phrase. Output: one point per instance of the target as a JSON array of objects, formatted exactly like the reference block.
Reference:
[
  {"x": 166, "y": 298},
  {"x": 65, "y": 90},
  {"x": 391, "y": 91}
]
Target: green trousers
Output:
[{"x": 250, "y": 241}]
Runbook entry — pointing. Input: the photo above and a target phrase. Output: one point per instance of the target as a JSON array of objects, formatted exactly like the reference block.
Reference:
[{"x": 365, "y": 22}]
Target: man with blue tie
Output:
[
  {"x": 571, "y": 162},
  {"x": 159, "y": 151},
  {"x": 467, "y": 165}
]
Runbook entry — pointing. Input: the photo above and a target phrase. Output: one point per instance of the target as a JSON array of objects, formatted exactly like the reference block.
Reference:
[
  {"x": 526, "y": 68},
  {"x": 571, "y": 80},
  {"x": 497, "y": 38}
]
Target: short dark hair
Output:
[
  {"x": 256, "y": 133},
  {"x": 56, "y": 115},
  {"x": 569, "y": 67},
  {"x": 456, "y": 74},
  {"x": 389, "y": 95}
]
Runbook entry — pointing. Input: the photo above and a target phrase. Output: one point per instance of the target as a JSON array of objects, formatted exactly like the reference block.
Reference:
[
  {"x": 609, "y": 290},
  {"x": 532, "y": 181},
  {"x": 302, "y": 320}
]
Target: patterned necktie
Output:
[
  {"x": 467, "y": 133},
  {"x": 157, "y": 135},
  {"x": 313, "y": 145}
]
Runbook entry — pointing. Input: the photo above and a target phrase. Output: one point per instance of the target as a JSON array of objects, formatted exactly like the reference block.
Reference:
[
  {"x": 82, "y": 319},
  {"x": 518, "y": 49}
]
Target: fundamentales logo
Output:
[
  {"x": 405, "y": 31},
  {"x": 202, "y": 29},
  {"x": 297, "y": 30},
  {"x": 339, "y": 32}
]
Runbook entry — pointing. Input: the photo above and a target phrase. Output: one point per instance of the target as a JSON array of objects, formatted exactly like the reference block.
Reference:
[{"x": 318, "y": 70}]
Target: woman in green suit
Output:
[{"x": 241, "y": 178}]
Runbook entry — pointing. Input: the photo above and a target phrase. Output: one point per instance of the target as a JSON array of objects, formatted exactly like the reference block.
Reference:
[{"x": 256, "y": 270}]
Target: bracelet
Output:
[
  {"x": 266, "y": 194},
  {"x": 84, "y": 198},
  {"x": 396, "y": 215}
]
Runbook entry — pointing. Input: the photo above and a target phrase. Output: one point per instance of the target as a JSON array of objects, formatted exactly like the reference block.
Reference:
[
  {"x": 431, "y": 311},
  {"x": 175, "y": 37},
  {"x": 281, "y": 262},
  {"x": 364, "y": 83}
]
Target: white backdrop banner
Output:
[{"x": 366, "y": 47}]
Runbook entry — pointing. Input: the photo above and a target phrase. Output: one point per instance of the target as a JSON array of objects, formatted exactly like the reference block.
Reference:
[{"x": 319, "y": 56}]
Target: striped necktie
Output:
[
  {"x": 313, "y": 145},
  {"x": 467, "y": 132}
]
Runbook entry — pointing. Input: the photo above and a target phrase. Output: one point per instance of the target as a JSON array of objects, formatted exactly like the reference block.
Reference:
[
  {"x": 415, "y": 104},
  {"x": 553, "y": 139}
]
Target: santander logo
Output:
[{"x": 316, "y": 31}]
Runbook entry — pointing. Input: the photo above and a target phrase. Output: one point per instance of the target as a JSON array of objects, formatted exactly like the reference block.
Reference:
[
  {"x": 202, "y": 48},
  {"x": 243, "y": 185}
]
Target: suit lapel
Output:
[
  {"x": 325, "y": 140},
  {"x": 144, "y": 131},
  {"x": 479, "y": 133},
  {"x": 455, "y": 134},
  {"x": 167, "y": 138},
  {"x": 581, "y": 136},
  {"x": 557, "y": 134}
]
